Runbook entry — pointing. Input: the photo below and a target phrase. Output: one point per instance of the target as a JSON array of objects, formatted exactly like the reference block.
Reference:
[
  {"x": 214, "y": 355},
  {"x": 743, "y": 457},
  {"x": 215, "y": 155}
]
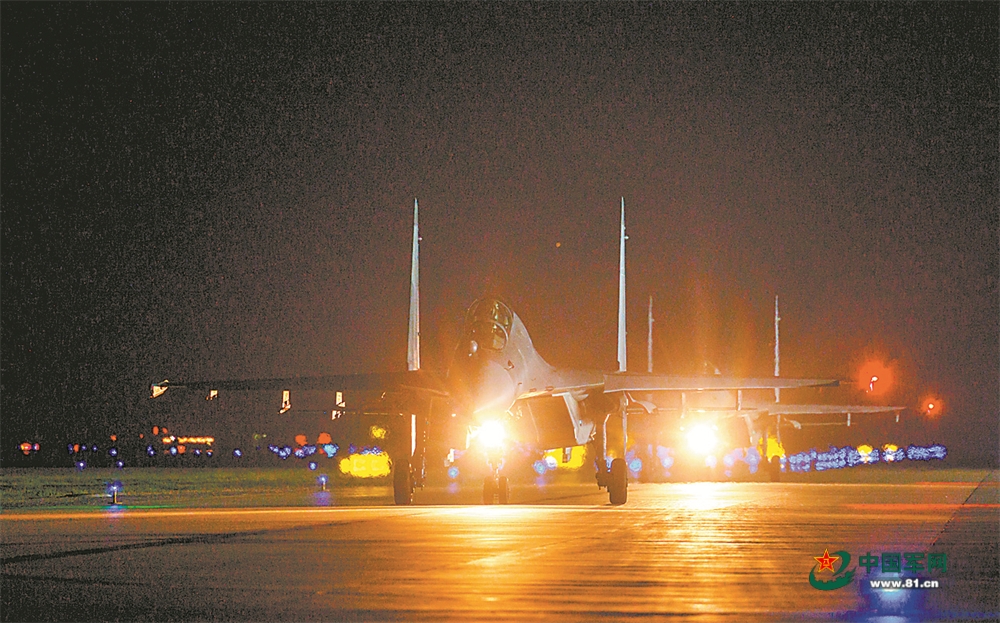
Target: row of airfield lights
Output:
[
  {"x": 833, "y": 458},
  {"x": 373, "y": 462},
  {"x": 175, "y": 446},
  {"x": 365, "y": 462},
  {"x": 81, "y": 449},
  {"x": 839, "y": 458}
]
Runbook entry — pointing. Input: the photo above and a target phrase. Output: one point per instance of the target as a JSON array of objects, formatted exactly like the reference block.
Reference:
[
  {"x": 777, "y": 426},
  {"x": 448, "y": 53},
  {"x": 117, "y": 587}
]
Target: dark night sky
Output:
[{"x": 225, "y": 190}]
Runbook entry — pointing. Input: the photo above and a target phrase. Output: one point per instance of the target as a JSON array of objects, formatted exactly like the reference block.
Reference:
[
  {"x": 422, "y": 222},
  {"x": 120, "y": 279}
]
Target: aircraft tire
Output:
[
  {"x": 489, "y": 490},
  {"x": 503, "y": 490},
  {"x": 402, "y": 485},
  {"x": 618, "y": 484},
  {"x": 774, "y": 469}
]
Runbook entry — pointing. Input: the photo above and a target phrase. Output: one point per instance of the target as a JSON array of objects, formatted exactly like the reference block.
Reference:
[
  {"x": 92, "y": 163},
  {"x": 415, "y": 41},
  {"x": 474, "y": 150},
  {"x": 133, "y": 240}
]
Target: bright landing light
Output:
[
  {"x": 701, "y": 438},
  {"x": 491, "y": 434}
]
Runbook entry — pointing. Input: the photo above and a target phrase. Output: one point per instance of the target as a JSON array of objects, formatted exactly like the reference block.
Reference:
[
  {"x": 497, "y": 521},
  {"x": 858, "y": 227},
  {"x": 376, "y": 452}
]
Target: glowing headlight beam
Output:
[
  {"x": 491, "y": 434},
  {"x": 702, "y": 439}
]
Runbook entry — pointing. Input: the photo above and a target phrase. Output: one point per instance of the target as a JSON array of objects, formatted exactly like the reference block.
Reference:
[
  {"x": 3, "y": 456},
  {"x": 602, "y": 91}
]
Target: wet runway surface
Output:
[{"x": 692, "y": 551}]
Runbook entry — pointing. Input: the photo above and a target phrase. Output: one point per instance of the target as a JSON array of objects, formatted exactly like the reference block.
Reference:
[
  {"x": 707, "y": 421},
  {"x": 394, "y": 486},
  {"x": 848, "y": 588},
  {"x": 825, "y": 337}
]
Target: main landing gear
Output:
[
  {"x": 615, "y": 480},
  {"x": 615, "y": 477},
  {"x": 402, "y": 481},
  {"x": 408, "y": 459}
]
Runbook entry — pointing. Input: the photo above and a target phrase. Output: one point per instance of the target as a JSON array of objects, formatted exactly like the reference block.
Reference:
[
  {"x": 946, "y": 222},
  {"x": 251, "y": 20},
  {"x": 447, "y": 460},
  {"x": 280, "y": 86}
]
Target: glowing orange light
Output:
[
  {"x": 301, "y": 440},
  {"x": 876, "y": 378},
  {"x": 324, "y": 438},
  {"x": 931, "y": 406},
  {"x": 181, "y": 449},
  {"x": 26, "y": 448},
  {"x": 156, "y": 430},
  {"x": 114, "y": 437},
  {"x": 196, "y": 440}
]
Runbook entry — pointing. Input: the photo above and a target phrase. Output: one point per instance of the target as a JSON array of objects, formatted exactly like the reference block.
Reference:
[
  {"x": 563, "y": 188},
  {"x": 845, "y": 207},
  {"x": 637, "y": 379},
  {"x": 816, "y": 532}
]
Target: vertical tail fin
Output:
[
  {"x": 649, "y": 339},
  {"x": 413, "y": 334},
  {"x": 777, "y": 349},
  {"x": 621, "y": 296}
]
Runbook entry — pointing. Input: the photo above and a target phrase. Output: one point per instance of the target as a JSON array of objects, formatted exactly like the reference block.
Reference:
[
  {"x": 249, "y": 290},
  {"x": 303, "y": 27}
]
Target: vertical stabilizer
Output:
[
  {"x": 413, "y": 335},
  {"x": 649, "y": 339},
  {"x": 777, "y": 349},
  {"x": 621, "y": 296}
]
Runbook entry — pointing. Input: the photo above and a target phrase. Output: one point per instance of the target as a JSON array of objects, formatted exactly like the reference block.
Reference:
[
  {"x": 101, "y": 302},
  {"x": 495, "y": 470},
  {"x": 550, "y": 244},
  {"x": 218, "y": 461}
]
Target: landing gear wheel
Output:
[
  {"x": 618, "y": 482},
  {"x": 402, "y": 483},
  {"x": 489, "y": 490},
  {"x": 503, "y": 490},
  {"x": 774, "y": 469}
]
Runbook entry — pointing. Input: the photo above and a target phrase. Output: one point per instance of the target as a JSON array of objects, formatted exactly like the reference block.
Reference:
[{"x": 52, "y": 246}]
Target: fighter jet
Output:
[
  {"x": 702, "y": 412},
  {"x": 497, "y": 384}
]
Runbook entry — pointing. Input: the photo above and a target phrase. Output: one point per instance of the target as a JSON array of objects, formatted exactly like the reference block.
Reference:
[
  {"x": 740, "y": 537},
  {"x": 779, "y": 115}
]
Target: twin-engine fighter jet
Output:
[{"x": 497, "y": 381}]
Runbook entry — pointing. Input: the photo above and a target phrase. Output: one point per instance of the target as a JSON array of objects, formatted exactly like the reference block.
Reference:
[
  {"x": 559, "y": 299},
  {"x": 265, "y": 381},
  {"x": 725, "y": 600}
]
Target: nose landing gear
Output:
[{"x": 496, "y": 489}]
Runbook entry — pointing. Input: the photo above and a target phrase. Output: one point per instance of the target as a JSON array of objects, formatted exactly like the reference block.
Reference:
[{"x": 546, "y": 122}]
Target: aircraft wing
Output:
[
  {"x": 418, "y": 380},
  {"x": 631, "y": 382}
]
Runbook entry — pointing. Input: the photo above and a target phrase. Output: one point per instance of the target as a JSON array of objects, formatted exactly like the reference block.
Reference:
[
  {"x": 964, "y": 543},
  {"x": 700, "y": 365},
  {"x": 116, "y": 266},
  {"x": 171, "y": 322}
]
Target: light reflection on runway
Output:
[{"x": 701, "y": 551}]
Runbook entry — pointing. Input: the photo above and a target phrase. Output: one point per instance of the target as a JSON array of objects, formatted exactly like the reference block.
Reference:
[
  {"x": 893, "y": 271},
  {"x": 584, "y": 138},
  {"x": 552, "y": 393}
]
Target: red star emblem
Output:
[{"x": 826, "y": 560}]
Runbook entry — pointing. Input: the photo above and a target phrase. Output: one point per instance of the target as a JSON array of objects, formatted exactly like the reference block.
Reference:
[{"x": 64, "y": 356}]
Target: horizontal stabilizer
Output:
[
  {"x": 654, "y": 382},
  {"x": 787, "y": 409}
]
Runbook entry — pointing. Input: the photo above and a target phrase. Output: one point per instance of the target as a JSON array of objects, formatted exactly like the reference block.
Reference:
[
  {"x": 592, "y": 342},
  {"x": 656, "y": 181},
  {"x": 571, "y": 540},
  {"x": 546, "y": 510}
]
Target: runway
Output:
[{"x": 690, "y": 551}]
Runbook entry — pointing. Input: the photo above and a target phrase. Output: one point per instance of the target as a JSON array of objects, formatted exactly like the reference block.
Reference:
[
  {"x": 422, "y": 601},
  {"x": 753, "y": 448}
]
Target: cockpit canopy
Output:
[{"x": 488, "y": 322}]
